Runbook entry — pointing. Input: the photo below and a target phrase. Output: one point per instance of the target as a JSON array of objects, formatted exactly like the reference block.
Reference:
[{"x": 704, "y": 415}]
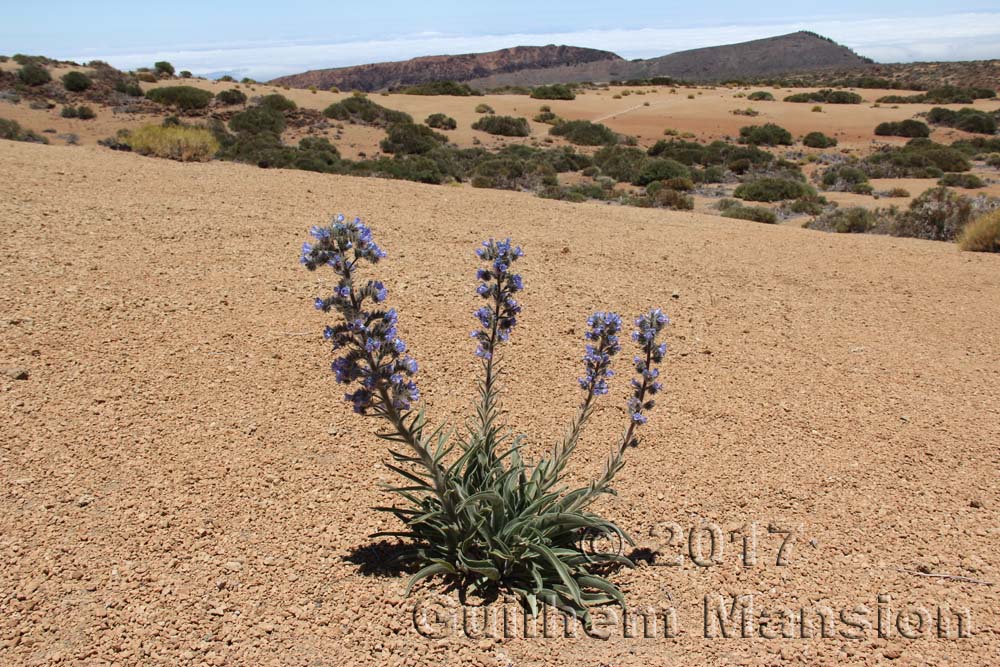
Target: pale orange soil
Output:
[{"x": 181, "y": 483}]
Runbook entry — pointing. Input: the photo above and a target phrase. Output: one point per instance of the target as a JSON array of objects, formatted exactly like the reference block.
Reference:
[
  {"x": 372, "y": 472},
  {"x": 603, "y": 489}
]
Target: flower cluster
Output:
[
  {"x": 497, "y": 285},
  {"x": 648, "y": 329},
  {"x": 375, "y": 356},
  {"x": 603, "y": 337}
]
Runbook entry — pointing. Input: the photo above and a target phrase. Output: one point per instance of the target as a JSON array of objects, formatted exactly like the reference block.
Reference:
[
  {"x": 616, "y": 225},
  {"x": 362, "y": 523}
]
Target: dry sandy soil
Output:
[{"x": 181, "y": 483}]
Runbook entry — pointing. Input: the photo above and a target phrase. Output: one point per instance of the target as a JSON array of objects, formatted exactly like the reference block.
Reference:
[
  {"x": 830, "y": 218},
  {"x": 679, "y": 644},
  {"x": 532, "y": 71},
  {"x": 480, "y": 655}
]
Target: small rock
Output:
[
  {"x": 976, "y": 503},
  {"x": 234, "y": 566},
  {"x": 892, "y": 653},
  {"x": 675, "y": 295},
  {"x": 16, "y": 373},
  {"x": 84, "y": 500}
]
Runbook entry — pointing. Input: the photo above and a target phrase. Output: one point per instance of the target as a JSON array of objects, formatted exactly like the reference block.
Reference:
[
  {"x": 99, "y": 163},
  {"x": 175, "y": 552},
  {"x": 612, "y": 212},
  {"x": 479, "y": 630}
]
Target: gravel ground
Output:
[{"x": 181, "y": 483}]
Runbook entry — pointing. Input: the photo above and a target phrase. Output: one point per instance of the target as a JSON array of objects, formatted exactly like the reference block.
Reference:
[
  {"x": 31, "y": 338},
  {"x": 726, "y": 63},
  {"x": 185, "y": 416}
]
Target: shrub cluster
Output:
[
  {"x": 440, "y": 121},
  {"x": 163, "y": 68},
  {"x": 967, "y": 181},
  {"x": 176, "y": 142},
  {"x": 768, "y": 134},
  {"x": 982, "y": 234},
  {"x": 826, "y": 96},
  {"x": 506, "y": 126},
  {"x": 440, "y": 88},
  {"x": 852, "y": 220},
  {"x": 940, "y": 214},
  {"x": 585, "y": 133},
  {"x": 33, "y": 74},
  {"x": 942, "y": 95},
  {"x": 185, "y": 98},
  {"x": 360, "y": 109},
  {"x": 12, "y": 131},
  {"x": 919, "y": 158},
  {"x": 846, "y": 178},
  {"x": 482, "y": 107},
  {"x": 231, "y": 96},
  {"x": 967, "y": 119},
  {"x": 905, "y": 128},
  {"x": 411, "y": 139},
  {"x": 76, "y": 82},
  {"x": 773, "y": 189},
  {"x": 278, "y": 102},
  {"x": 760, "y": 96},
  {"x": 731, "y": 208},
  {"x": 818, "y": 140},
  {"x": 556, "y": 91},
  {"x": 82, "y": 112}
]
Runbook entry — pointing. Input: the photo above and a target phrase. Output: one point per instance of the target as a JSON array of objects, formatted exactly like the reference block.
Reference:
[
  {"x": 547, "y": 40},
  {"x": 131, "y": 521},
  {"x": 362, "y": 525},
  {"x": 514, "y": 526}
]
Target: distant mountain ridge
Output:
[
  {"x": 535, "y": 65},
  {"x": 464, "y": 67}
]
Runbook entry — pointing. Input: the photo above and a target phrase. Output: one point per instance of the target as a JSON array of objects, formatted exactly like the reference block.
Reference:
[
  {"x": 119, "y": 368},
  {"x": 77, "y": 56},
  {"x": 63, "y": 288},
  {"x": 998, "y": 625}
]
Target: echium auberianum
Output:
[{"x": 479, "y": 512}]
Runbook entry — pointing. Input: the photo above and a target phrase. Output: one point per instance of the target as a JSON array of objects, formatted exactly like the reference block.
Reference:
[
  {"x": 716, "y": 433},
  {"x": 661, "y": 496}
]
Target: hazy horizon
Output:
[{"x": 264, "y": 42}]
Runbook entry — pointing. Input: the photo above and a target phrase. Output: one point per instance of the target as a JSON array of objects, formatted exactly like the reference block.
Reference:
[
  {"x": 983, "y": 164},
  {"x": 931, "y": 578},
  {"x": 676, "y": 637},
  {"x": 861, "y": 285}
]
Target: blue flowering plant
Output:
[{"x": 471, "y": 506}]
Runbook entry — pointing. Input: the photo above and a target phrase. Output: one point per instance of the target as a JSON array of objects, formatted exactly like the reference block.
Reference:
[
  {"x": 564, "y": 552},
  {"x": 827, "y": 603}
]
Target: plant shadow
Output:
[{"x": 381, "y": 559}]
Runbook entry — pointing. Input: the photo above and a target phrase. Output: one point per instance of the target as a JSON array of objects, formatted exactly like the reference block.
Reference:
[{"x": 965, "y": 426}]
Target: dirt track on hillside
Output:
[{"x": 181, "y": 483}]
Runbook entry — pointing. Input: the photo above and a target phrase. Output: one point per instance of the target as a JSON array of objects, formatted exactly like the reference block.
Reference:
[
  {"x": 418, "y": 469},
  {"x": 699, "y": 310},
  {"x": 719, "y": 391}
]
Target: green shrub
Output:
[
  {"x": 556, "y": 91},
  {"x": 506, "y": 126},
  {"x": 12, "y": 130},
  {"x": 967, "y": 120},
  {"x": 846, "y": 178},
  {"x": 968, "y": 181},
  {"x": 484, "y": 108},
  {"x": 768, "y": 134},
  {"x": 440, "y": 88},
  {"x": 68, "y": 112},
  {"x": 185, "y": 98},
  {"x": 753, "y": 213},
  {"x": 818, "y": 140},
  {"x": 772, "y": 189},
  {"x": 919, "y": 158},
  {"x": 128, "y": 87},
  {"x": 85, "y": 113},
  {"x": 982, "y": 234},
  {"x": 896, "y": 193},
  {"x": 256, "y": 120},
  {"x": 809, "y": 205},
  {"x": 185, "y": 74},
  {"x": 360, "y": 109},
  {"x": 146, "y": 77},
  {"x": 76, "y": 82},
  {"x": 939, "y": 214},
  {"x": 585, "y": 133},
  {"x": 411, "y": 139},
  {"x": 760, "y": 96},
  {"x": 621, "y": 163},
  {"x": 660, "y": 169},
  {"x": 547, "y": 116},
  {"x": 826, "y": 96},
  {"x": 231, "y": 97},
  {"x": 278, "y": 102},
  {"x": 852, "y": 220},
  {"x": 163, "y": 68},
  {"x": 672, "y": 199},
  {"x": 178, "y": 142},
  {"x": 942, "y": 95},
  {"x": 906, "y": 128},
  {"x": 33, "y": 74},
  {"x": 506, "y": 173},
  {"x": 440, "y": 121}
]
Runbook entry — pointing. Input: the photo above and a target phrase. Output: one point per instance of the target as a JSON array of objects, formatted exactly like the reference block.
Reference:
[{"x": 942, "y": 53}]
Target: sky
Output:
[{"x": 265, "y": 40}]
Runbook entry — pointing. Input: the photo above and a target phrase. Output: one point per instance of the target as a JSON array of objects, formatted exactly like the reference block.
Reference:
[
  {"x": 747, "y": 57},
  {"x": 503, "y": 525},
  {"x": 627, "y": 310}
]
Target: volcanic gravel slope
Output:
[{"x": 182, "y": 483}]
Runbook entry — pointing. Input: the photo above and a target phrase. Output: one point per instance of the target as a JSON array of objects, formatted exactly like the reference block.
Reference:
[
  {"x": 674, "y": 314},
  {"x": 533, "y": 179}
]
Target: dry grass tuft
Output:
[
  {"x": 982, "y": 234},
  {"x": 187, "y": 144}
]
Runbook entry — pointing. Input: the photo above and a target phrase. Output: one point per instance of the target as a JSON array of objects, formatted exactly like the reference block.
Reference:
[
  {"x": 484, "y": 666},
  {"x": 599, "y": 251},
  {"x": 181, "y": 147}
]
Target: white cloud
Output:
[{"x": 968, "y": 36}]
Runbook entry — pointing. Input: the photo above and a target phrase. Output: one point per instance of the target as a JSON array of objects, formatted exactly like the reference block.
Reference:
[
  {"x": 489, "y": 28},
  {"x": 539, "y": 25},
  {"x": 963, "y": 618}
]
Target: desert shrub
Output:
[
  {"x": 968, "y": 181},
  {"x": 808, "y": 205},
  {"x": 278, "y": 102},
  {"x": 33, "y": 74},
  {"x": 179, "y": 142},
  {"x": 669, "y": 198},
  {"x": 360, "y": 109},
  {"x": 316, "y": 154},
  {"x": 12, "y": 131},
  {"x": 818, "y": 140},
  {"x": 846, "y": 178},
  {"x": 919, "y": 158},
  {"x": 128, "y": 87},
  {"x": 826, "y": 96},
  {"x": 440, "y": 88},
  {"x": 68, "y": 112},
  {"x": 411, "y": 139},
  {"x": 85, "y": 113},
  {"x": 475, "y": 512},
  {"x": 896, "y": 193},
  {"x": 482, "y": 107},
  {"x": 852, "y": 220},
  {"x": 547, "y": 116},
  {"x": 185, "y": 98},
  {"x": 967, "y": 120},
  {"x": 982, "y": 234},
  {"x": 76, "y": 82},
  {"x": 659, "y": 169},
  {"x": 941, "y": 95},
  {"x": 256, "y": 120},
  {"x": 584, "y": 133},
  {"x": 556, "y": 91},
  {"x": 231, "y": 96},
  {"x": 772, "y": 189},
  {"x": 993, "y": 160},
  {"x": 905, "y": 128},
  {"x": 505, "y": 126},
  {"x": 146, "y": 77},
  {"x": 768, "y": 134},
  {"x": 752, "y": 213},
  {"x": 760, "y": 96},
  {"x": 508, "y": 173},
  {"x": 440, "y": 121},
  {"x": 939, "y": 214},
  {"x": 185, "y": 74},
  {"x": 163, "y": 68},
  {"x": 621, "y": 163}
]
